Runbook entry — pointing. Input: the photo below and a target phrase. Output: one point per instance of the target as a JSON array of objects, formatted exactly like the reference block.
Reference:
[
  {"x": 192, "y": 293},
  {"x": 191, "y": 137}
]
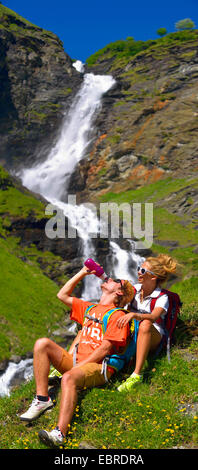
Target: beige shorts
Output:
[{"x": 92, "y": 376}]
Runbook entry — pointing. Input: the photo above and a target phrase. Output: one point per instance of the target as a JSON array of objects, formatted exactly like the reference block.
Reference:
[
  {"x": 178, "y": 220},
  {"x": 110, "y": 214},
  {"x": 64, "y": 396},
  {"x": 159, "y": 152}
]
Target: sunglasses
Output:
[
  {"x": 144, "y": 271},
  {"x": 119, "y": 281}
]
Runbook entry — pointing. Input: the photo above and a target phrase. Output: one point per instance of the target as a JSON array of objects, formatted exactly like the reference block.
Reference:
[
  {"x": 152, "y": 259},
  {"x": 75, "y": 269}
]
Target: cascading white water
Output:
[
  {"x": 122, "y": 259},
  {"x": 14, "y": 374},
  {"x": 51, "y": 179}
]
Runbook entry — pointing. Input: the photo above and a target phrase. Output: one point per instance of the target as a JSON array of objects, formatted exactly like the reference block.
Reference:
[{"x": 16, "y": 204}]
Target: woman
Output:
[{"x": 151, "y": 274}]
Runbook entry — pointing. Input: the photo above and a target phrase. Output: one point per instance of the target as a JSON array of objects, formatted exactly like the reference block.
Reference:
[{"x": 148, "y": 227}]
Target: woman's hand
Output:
[{"x": 124, "y": 319}]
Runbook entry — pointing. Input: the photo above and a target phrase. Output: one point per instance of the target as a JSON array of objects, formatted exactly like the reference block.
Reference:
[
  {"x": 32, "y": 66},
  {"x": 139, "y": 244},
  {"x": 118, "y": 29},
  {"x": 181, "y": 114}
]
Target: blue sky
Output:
[{"x": 88, "y": 25}]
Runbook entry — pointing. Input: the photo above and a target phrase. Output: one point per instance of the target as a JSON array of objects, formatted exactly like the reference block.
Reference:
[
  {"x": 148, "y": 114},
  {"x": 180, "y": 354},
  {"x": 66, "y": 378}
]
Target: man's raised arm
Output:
[{"x": 65, "y": 292}]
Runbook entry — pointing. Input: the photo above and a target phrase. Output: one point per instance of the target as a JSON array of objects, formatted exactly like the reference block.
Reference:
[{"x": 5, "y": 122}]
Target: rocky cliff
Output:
[
  {"x": 146, "y": 132},
  {"x": 147, "y": 128},
  {"x": 38, "y": 83}
]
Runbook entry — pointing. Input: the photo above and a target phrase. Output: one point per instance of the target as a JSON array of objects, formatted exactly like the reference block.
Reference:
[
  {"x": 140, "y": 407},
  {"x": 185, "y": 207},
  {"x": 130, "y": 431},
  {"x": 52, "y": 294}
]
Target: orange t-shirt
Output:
[{"x": 92, "y": 334}]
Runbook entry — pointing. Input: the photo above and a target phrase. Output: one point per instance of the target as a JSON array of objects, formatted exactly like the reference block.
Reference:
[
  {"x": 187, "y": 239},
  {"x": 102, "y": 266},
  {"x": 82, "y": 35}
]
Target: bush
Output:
[
  {"x": 187, "y": 23},
  {"x": 161, "y": 32}
]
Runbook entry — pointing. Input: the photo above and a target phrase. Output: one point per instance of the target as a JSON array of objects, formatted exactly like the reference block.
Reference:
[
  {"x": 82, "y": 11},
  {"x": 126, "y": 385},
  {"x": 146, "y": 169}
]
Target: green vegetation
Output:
[
  {"x": 162, "y": 31},
  {"x": 15, "y": 202},
  {"x": 6, "y": 12},
  {"x": 10, "y": 20},
  {"x": 187, "y": 23},
  {"x": 167, "y": 226},
  {"x": 124, "y": 49},
  {"x": 162, "y": 412},
  {"x": 29, "y": 306},
  {"x": 154, "y": 416}
]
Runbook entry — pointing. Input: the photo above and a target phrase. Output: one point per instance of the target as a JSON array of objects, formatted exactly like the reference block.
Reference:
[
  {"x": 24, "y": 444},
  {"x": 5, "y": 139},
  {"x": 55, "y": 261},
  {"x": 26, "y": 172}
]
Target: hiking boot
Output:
[
  {"x": 129, "y": 383},
  {"x": 36, "y": 409},
  {"x": 52, "y": 438}
]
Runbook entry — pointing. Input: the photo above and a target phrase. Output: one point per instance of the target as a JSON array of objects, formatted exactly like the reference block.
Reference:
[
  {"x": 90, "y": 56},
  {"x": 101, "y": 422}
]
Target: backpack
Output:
[
  {"x": 169, "y": 321},
  {"x": 170, "y": 318},
  {"x": 118, "y": 359}
]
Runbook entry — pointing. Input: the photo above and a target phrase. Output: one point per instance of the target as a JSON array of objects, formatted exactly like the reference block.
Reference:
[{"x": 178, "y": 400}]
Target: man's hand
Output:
[{"x": 86, "y": 271}]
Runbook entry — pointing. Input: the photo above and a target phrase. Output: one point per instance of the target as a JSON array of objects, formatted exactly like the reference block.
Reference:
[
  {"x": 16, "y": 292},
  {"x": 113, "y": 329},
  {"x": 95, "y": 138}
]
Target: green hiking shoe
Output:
[
  {"x": 129, "y": 383},
  {"x": 54, "y": 373}
]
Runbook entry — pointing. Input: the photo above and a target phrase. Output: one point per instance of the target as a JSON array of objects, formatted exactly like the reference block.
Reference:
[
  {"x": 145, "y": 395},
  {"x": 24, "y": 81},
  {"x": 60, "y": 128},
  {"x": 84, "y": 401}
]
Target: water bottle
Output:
[{"x": 93, "y": 266}]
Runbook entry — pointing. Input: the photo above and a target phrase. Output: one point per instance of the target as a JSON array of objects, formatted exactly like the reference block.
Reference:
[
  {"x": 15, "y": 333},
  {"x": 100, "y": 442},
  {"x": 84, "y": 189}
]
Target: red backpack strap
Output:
[{"x": 153, "y": 301}]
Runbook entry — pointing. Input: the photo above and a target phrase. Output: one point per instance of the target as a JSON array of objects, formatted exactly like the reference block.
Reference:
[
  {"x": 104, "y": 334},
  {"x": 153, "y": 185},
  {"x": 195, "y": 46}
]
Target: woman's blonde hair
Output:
[
  {"x": 162, "y": 266},
  {"x": 128, "y": 294}
]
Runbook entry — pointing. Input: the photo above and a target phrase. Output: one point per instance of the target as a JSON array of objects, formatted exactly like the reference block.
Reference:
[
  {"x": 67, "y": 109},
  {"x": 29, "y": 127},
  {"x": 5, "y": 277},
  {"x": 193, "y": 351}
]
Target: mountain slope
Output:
[
  {"x": 148, "y": 124},
  {"x": 38, "y": 83}
]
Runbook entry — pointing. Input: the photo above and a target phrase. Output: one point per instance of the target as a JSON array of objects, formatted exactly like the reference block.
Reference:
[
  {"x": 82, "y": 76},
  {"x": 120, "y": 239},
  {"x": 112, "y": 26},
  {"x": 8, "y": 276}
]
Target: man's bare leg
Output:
[
  {"x": 69, "y": 383},
  {"x": 46, "y": 352}
]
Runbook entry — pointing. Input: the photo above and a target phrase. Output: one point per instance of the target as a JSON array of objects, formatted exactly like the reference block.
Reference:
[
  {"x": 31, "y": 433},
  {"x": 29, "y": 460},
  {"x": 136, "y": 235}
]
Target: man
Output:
[{"x": 93, "y": 347}]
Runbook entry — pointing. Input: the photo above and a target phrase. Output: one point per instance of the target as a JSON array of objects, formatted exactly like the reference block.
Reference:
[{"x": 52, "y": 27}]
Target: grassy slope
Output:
[
  {"x": 167, "y": 225},
  {"x": 11, "y": 21},
  {"x": 122, "y": 51},
  {"x": 29, "y": 306},
  {"x": 155, "y": 415}
]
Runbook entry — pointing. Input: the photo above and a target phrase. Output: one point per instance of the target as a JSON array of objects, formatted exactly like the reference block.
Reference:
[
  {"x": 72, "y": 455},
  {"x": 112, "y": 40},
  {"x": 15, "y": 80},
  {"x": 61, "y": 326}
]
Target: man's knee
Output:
[
  {"x": 73, "y": 378},
  {"x": 41, "y": 344},
  {"x": 145, "y": 326},
  {"x": 68, "y": 379}
]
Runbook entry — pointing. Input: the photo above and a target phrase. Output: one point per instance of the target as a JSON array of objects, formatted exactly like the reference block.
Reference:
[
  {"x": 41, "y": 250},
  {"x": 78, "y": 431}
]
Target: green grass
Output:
[
  {"x": 151, "y": 192},
  {"x": 153, "y": 416},
  {"x": 122, "y": 50},
  {"x": 16, "y": 200},
  {"x": 29, "y": 306},
  {"x": 167, "y": 225},
  {"x": 161, "y": 413},
  {"x": 6, "y": 12},
  {"x": 16, "y": 203},
  {"x": 13, "y": 22}
]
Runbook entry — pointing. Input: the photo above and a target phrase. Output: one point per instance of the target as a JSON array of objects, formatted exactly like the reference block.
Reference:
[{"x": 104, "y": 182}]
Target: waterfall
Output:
[
  {"x": 51, "y": 179},
  {"x": 15, "y": 374},
  {"x": 122, "y": 259}
]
